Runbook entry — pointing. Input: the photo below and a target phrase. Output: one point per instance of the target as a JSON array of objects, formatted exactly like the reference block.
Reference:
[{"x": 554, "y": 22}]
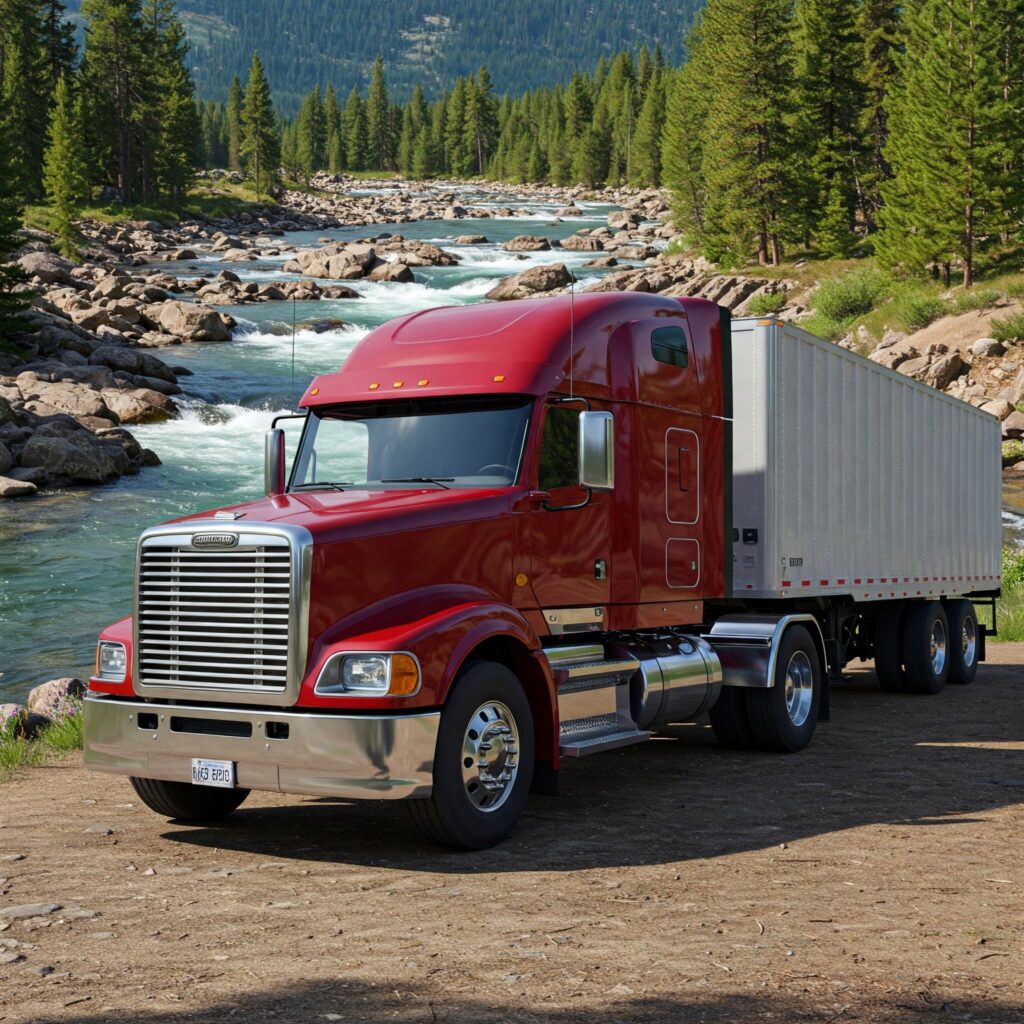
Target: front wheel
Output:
[
  {"x": 784, "y": 716},
  {"x": 182, "y": 801},
  {"x": 483, "y": 764}
]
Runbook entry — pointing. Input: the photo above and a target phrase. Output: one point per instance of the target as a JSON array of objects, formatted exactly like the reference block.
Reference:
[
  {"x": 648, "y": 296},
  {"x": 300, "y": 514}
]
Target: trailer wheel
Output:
[
  {"x": 784, "y": 716},
  {"x": 184, "y": 802},
  {"x": 926, "y": 648},
  {"x": 483, "y": 764},
  {"x": 963, "y": 641},
  {"x": 729, "y": 718},
  {"x": 889, "y": 630}
]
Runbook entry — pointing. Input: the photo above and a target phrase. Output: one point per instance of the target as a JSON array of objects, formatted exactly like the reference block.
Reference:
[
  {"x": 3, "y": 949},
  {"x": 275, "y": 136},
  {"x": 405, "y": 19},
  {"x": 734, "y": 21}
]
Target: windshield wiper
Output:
[
  {"x": 441, "y": 481},
  {"x": 323, "y": 483}
]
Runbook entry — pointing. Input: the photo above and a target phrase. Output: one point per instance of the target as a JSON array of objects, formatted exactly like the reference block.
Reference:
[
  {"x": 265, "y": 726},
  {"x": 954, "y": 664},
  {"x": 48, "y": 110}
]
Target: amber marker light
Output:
[
  {"x": 374, "y": 387},
  {"x": 398, "y": 384},
  {"x": 422, "y": 383},
  {"x": 314, "y": 391},
  {"x": 405, "y": 675},
  {"x": 498, "y": 378}
]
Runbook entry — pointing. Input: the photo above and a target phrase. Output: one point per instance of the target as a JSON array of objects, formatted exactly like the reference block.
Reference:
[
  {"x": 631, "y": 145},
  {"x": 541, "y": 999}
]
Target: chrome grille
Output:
[{"x": 216, "y": 619}]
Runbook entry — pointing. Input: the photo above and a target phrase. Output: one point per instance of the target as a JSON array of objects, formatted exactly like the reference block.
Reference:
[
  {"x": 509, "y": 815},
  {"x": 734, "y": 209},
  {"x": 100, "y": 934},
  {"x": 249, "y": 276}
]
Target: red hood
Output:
[{"x": 344, "y": 515}]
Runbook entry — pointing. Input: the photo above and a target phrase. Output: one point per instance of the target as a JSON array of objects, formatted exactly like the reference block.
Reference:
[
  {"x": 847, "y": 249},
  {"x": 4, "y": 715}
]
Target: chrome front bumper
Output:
[{"x": 378, "y": 758}]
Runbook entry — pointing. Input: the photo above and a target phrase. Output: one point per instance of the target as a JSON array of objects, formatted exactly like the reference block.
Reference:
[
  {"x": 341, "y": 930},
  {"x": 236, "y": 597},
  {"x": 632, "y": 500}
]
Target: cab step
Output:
[{"x": 598, "y": 744}]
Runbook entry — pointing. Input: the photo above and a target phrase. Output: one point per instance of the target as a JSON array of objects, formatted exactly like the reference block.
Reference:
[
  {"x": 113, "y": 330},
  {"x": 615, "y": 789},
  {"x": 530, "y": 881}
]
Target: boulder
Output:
[
  {"x": 623, "y": 220},
  {"x": 48, "y": 267},
  {"x": 323, "y": 326},
  {"x": 75, "y": 457},
  {"x": 11, "y": 488},
  {"x": 139, "y": 405},
  {"x": 534, "y": 281},
  {"x": 1013, "y": 426},
  {"x": 999, "y": 407},
  {"x": 391, "y": 272},
  {"x": 470, "y": 240},
  {"x": 943, "y": 371},
  {"x": 569, "y": 211},
  {"x": 987, "y": 347},
  {"x": 65, "y": 396},
  {"x": 56, "y": 699},
  {"x": 194, "y": 322},
  {"x": 602, "y": 261},
  {"x": 527, "y": 243},
  {"x": 582, "y": 243},
  {"x": 92, "y": 317},
  {"x": 6, "y": 458}
]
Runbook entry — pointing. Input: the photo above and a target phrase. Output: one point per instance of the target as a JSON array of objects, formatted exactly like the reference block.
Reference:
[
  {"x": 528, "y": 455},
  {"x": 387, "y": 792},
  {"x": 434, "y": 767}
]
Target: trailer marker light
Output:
[
  {"x": 374, "y": 387},
  {"x": 498, "y": 378},
  {"x": 521, "y": 579},
  {"x": 398, "y": 384},
  {"x": 422, "y": 383},
  {"x": 314, "y": 391}
]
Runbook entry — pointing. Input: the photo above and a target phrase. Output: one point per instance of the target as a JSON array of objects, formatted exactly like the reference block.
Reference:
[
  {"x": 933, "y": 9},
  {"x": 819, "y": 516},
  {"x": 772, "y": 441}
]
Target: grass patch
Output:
[
  {"x": 1010, "y": 606},
  {"x": 913, "y": 311},
  {"x": 52, "y": 743},
  {"x": 1008, "y": 328},
  {"x": 1013, "y": 452},
  {"x": 840, "y": 299},
  {"x": 766, "y": 304}
]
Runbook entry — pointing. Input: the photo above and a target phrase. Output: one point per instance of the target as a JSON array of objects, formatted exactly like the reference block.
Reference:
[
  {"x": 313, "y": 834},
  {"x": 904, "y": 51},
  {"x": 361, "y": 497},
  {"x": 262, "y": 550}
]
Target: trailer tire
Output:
[
  {"x": 926, "y": 647},
  {"x": 889, "y": 631},
  {"x": 181, "y": 801},
  {"x": 729, "y": 718},
  {"x": 783, "y": 717},
  {"x": 487, "y": 708},
  {"x": 963, "y": 641}
]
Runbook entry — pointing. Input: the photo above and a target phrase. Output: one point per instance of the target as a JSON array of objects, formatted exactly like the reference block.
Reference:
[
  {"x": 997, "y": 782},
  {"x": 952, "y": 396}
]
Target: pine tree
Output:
[
  {"x": 353, "y": 130},
  {"x": 480, "y": 125},
  {"x": 379, "y": 129},
  {"x": 260, "y": 141},
  {"x": 746, "y": 162},
  {"x": 65, "y": 173},
  {"x": 13, "y": 300},
  {"x": 458, "y": 158},
  {"x": 57, "y": 39},
  {"x": 828, "y": 110},
  {"x": 311, "y": 134},
  {"x": 954, "y": 114},
  {"x": 879, "y": 29},
  {"x": 233, "y": 119},
  {"x": 332, "y": 122},
  {"x": 645, "y": 164}
]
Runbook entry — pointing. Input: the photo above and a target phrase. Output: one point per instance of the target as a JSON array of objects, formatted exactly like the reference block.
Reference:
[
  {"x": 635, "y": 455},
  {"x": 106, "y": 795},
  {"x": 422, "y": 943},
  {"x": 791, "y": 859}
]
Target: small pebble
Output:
[
  {"x": 100, "y": 830},
  {"x": 43, "y": 971},
  {"x": 10, "y": 958}
]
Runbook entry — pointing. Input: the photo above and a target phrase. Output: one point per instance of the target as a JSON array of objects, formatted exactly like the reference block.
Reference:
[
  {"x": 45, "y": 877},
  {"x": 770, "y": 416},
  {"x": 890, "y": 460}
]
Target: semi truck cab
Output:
[{"x": 508, "y": 537}]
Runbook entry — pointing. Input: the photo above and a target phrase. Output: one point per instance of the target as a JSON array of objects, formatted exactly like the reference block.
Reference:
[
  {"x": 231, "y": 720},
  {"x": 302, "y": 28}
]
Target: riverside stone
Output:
[
  {"x": 534, "y": 281},
  {"x": 55, "y": 697},
  {"x": 194, "y": 322},
  {"x": 527, "y": 243},
  {"x": 6, "y": 458}
]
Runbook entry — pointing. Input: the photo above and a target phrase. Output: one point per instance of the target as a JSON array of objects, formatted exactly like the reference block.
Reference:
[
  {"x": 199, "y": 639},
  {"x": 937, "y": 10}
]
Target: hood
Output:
[{"x": 331, "y": 515}]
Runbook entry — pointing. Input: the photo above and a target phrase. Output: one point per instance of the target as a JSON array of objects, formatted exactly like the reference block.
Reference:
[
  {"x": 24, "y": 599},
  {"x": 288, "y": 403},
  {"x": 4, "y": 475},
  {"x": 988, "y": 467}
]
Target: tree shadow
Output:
[
  {"x": 351, "y": 1001},
  {"x": 884, "y": 758}
]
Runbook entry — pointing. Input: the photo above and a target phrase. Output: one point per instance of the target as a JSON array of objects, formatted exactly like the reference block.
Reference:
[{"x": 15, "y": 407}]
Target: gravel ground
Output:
[{"x": 876, "y": 877}]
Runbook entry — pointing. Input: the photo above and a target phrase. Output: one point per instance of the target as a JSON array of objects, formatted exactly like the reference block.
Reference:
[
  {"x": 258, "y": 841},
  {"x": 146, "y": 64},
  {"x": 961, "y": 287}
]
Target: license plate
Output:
[{"x": 213, "y": 773}]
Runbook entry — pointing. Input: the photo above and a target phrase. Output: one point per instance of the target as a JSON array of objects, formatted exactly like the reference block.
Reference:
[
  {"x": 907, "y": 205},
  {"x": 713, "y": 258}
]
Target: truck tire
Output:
[
  {"x": 926, "y": 647},
  {"x": 889, "y": 629},
  {"x": 963, "y": 641},
  {"x": 182, "y": 801},
  {"x": 784, "y": 716},
  {"x": 729, "y": 718},
  {"x": 483, "y": 764}
]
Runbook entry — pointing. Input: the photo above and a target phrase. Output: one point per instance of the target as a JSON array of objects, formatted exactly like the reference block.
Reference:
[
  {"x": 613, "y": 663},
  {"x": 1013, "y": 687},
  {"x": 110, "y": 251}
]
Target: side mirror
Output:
[
  {"x": 597, "y": 451},
  {"x": 274, "y": 462}
]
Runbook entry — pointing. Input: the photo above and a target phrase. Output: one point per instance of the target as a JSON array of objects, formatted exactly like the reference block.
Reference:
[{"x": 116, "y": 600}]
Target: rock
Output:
[
  {"x": 6, "y": 458},
  {"x": 56, "y": 698},
  {"x": 323, "y": 326},
  {"x": 11, "y": 488},
  {"x": 99, "y": 830},
  {"x": 987, "y": 347},
  {"x": 180, "y": 255},
  {"x": 11, "y": 958},
  {"x": 582, "y": 243},
  {"x": 1013, "y": 426},
  {"x": 194, "y": 322},
  {"x": 140, "y": 405},
  {"x": 75, "y": 457},
  {"x": 623, "y": 219},
  {"x": 534, "y": 281},
  {"x": 897, "y": 351},
  {"x": 999, "y": 407},
  {"x": 48, "y": 267},
  {"x": 470, "y": 240},
  {"x": 527, "y": 243},
  {"x": 21, "y": 911},
  {"x": 65, "y": 396},
  {"x": 602, "y": 261},
  {"x": 943, "y": 371},
  {"x": 569, "y": 211},
  {"x": 391, "y": 272}
]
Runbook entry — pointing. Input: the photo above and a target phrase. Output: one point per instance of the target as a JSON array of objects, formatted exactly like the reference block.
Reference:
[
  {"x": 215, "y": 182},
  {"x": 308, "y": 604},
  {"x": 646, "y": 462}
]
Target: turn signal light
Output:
[{"x": 405, "y": 676}]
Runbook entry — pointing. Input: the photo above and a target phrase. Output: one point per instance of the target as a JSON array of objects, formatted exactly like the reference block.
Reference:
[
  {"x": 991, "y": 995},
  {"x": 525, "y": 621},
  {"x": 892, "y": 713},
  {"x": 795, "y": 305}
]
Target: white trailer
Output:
[{"x": 864, "y": 498}]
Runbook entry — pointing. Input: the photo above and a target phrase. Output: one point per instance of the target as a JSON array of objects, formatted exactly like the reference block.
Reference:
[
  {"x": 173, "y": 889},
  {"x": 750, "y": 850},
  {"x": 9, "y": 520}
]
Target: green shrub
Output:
[
  {"x": 766, "y": 304},
  {"x": 975, "y": 299},
  {"x": 1013, "y": 452},
  {"x": 915, "y": 312},
  {"x": 851, "y": 294},
  {"x": 62, "y": 736},
  {"x": 823, "y": 326},
  {"x": 1008, "y": 328},
  {"x": 1013, "y": 569}
]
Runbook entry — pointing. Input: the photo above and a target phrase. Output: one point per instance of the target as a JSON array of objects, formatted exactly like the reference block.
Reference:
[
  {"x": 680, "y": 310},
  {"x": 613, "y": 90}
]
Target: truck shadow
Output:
[
  {"x": 351, "y": 1000},
  {"x": 884, "y": 759}
]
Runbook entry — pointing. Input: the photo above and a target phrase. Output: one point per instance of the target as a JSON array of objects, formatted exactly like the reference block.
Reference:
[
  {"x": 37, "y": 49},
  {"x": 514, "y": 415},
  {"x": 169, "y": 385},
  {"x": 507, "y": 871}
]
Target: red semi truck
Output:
[{"x": 525, "y": 531}]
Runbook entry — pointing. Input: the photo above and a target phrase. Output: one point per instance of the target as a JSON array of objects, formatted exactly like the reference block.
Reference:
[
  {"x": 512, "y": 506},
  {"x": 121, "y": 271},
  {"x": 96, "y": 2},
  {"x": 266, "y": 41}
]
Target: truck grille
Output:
[{"x": 214, "y": 619}]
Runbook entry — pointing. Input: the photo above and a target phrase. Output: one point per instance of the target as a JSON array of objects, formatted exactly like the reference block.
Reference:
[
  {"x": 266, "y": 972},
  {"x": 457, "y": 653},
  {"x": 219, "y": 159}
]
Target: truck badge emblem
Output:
[{"x": 215, "y": 540}]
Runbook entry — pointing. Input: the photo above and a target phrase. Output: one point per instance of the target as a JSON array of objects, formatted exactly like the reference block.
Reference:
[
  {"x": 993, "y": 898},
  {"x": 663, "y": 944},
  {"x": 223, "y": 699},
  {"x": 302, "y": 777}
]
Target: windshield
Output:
[{"x": 427, "y": 442}]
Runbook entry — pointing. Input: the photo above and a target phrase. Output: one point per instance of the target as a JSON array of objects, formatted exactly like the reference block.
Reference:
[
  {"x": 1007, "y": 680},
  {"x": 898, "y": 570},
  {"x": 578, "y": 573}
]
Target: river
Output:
[{"x": 66, "y": 557}]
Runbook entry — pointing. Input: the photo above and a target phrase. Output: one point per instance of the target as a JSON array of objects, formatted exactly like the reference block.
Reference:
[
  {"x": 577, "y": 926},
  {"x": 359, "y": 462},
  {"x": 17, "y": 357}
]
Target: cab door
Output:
[{"x": 568, "y": 530}]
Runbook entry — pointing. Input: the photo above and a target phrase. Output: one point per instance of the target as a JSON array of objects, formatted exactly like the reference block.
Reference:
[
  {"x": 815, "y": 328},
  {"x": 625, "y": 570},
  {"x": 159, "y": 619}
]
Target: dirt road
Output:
[{"x": 877, "y": 877}]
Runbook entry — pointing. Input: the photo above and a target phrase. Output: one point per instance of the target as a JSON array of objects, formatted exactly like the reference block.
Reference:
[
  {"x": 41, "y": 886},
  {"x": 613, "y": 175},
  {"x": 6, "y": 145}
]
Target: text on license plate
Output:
[{"x": 213, "y": 773}]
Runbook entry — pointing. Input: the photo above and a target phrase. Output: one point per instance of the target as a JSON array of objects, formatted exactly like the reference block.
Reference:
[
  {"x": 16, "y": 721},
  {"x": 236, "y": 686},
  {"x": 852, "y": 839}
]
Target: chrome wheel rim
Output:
[
  {"x": 490, "y": 756},
  {"x": 969, "y": 640},
  {"x": 799, "y": 688},
  {"x": 938, "y": 647}
]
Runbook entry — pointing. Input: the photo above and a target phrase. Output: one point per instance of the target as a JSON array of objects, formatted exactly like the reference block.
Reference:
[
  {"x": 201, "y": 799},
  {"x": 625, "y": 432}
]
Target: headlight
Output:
[
  {"x": 369, "y": 675},
  {"x": 111, "y": 661}
]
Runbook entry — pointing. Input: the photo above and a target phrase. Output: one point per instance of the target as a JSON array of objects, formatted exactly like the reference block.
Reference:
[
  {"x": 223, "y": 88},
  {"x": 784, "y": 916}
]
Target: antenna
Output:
[
  {"x": 291, "y": 400},
  {"x": 572, "y": 325}
]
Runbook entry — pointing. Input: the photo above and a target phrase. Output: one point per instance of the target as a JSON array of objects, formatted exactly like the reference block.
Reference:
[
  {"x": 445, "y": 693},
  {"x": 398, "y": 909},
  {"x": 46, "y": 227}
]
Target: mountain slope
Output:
[{"x": 524, "y": 43}]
